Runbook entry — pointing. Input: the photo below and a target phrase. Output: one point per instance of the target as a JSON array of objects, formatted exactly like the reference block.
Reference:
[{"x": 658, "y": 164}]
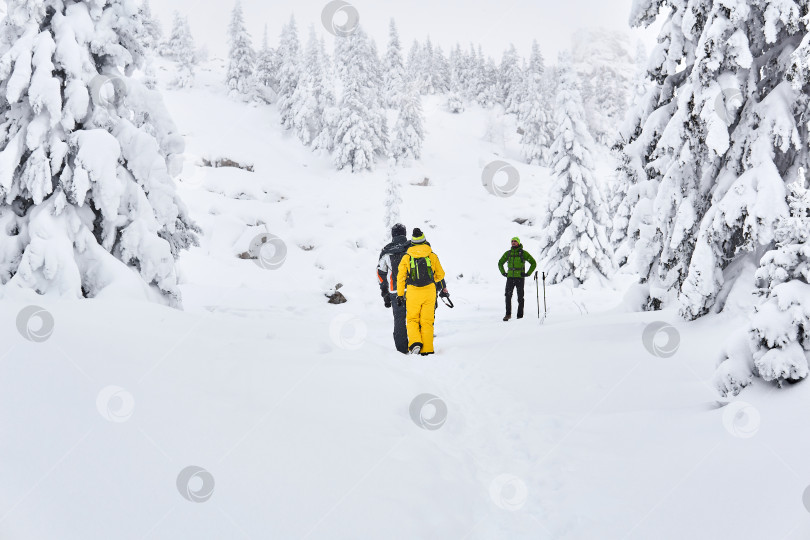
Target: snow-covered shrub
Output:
[
  {"x": 779, "y": 334},
  {"x": 455, "y": 104}
]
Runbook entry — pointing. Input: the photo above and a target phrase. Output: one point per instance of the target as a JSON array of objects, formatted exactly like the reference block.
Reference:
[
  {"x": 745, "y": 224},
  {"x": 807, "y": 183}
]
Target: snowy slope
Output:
[{"x": 299, "y": 409}]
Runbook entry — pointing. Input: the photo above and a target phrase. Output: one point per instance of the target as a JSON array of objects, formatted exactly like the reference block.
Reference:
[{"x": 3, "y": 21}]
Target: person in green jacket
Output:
[{"x": 515, "y": 274}]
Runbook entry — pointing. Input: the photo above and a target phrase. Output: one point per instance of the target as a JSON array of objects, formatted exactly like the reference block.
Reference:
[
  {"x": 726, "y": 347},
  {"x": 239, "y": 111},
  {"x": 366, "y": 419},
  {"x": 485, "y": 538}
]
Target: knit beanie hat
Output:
[
  {"x": 398, "y": 230},
  {"x": 515, "y": 239},
  {"x": 418, "y": 236}
]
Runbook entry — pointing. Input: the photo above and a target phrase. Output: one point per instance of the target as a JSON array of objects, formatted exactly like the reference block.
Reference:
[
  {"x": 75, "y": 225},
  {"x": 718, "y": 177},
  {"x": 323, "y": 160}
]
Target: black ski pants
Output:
[
  {"x": 513, "y": 283},
  {"x": 400, "y": 327}
]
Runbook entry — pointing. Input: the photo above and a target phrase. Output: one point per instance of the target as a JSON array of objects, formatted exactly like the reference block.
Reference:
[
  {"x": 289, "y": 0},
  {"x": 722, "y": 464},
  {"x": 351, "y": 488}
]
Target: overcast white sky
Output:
[{"x": 492, "y": 23}]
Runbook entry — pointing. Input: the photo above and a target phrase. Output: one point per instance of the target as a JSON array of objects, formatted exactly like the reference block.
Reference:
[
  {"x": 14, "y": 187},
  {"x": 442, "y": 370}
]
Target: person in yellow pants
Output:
[{"x": 418, "y": 277}]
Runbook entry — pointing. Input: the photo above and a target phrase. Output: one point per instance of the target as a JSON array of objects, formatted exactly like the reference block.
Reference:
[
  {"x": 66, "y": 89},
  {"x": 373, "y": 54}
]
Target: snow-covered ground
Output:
[{"x": 298, "y": 412}]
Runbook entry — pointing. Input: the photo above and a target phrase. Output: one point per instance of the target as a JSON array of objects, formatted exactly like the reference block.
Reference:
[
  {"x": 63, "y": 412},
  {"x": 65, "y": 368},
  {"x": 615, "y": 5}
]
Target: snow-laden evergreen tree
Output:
[
  {"x": 486, "y": 89},
  {"x": 777, "y": 342},
  {"x": 309, "y": 102},
  {"x": 628, "y": 170},
  {"x": 242, "y": 58},
  {"x": 393, "y": 199},
  {"x": 87, "y": 199},
  {"x": 180, "y": 48},
  {"x": 289, "y": 73},
  {"x": 424, "y": 73},
  {"x": 457, "y": 72},
  {"x": 152, "y": 30},
  {"x": 266, "y": 78},
  {"x": 605, "y": 62},
  {"x": 409, "y": 131},
  {"x": 510, "y": 79},
  {"x": 441, "y": 71},
  {"x": 716, "y": 138},
  {"x": 534, "y": 117},
  {"x": 360, "y": 132},
  {"x": 394, "y": 76},
  {"x": 471, "y": 70},
  {"x": 534, "y": 76},
  {"x": 574, "y": 239},
  {"x": 325, "y": 140},
  {"x": 414, "y": 67}
]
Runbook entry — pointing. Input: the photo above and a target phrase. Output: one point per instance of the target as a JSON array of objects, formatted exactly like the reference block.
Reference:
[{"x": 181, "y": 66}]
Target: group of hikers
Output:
[{"x": 410, "y": 277}]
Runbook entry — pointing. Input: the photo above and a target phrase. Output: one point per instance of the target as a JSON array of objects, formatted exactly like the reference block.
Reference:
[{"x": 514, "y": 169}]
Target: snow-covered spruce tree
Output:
[
  {"x": 717, "y": 137},
  {"x": 535, "y": 71},
  {"x": 409, "y": 131},
  {"x": 777, "y": 342},
  {"x": 393, "y": 199},
  {"x": 394, "y": 75},
  {"x": 471, "y": 73},
  {"x": 152, "y": 30},
  {"x": 604, "y": 60},
  {"x": 441, "y": 71},
  {"x": 325, "y": 140},
  {"x": 360, "y": 129},
  {"x": 424, "y": 73},
  {"x": 486, "y": 89},
  {"x": 309, "y": 104},
  {"x": 266, "y": 77},
  {"x": 510, "y": 77},
  {"x": 289, "y": 72},
  {"x": 534, "y": 117},
  {"x": 574, "y": 239},
  {"x": 180, "y": 48},
  {"x": 413, "y": 67},
  {"x": 629, "y": 170},
  {"x": 241, "y": 58},
  {"x": 87, "y": 200}
]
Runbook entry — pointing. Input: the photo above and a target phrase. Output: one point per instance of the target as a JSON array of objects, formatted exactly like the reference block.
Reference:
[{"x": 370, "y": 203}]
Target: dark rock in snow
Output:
[
  {"x": 226, "y": 162},
  {"x": 335, "y": 296}
]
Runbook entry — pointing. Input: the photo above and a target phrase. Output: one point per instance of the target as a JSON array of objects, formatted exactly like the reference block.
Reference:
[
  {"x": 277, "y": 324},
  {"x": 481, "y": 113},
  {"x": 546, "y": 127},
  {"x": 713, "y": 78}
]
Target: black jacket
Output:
[{"x": 388, "y": 264}]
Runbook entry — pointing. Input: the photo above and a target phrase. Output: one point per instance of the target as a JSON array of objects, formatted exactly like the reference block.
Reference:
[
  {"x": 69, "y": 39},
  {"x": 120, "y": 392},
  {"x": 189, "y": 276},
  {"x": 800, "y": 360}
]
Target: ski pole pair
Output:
[{"x": 537, "y": 288}]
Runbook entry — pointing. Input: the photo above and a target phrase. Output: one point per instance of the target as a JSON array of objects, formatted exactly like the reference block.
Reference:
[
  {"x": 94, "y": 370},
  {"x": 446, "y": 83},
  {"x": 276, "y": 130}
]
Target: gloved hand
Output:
[
  {"x": 400, "y": 301},
  {"x": 384, "y": 291},
  {"x": 444, "y": 293},
  {"x": 387, "y": 300},
  {"x": 524, "y": 274},
  {"x": 503, "y": 274}
]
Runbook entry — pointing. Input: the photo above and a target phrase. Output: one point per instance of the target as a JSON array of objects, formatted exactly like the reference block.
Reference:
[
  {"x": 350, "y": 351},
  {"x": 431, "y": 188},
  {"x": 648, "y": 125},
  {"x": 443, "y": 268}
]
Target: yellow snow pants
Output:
[{"x": 420, "y": 305}]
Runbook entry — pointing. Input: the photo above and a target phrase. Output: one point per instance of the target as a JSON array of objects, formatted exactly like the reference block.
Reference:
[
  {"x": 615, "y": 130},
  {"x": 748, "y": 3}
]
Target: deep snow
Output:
[{"x": 299, "y": 409}]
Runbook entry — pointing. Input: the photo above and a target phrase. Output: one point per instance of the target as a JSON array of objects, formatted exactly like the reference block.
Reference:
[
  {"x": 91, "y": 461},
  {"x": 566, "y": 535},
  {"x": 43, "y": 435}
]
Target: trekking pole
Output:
[
  {"x": 537, "y": 290},
  {"x": 545, "y": 307}
]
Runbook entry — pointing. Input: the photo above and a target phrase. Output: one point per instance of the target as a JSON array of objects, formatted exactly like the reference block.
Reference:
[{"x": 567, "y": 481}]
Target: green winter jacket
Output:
[{"x": 516, "y": 259}]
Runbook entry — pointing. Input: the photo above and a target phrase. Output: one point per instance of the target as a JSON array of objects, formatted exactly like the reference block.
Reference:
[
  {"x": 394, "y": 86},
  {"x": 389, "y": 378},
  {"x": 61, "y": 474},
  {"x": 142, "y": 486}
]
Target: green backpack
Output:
[{"x": 420, "y": 273}]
